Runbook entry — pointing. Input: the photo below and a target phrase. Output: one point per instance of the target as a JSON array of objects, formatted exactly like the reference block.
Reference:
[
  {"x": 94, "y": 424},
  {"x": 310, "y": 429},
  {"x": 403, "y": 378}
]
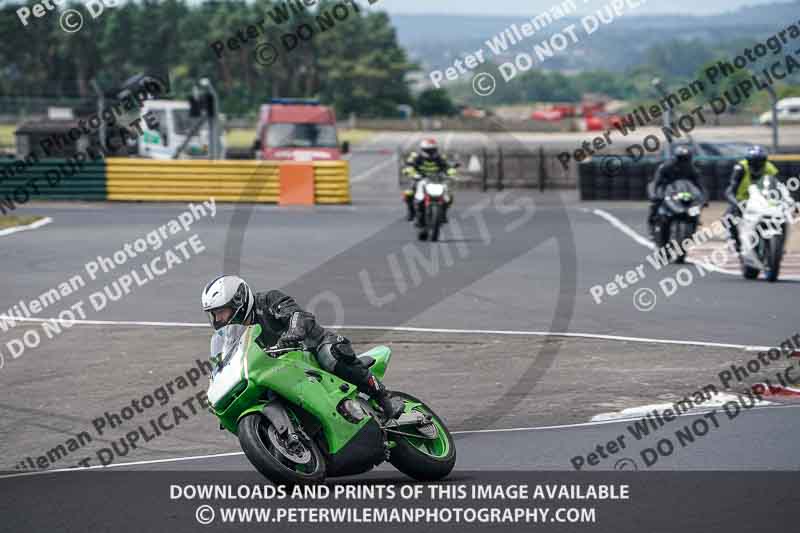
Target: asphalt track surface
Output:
[{"x": 520, "y": 261}]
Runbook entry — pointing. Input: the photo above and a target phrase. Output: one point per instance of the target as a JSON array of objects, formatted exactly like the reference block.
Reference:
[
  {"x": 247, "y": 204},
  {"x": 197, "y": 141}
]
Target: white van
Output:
[
  {"x": 788, "y": 111},
  {"x": 174, "y": 124}
]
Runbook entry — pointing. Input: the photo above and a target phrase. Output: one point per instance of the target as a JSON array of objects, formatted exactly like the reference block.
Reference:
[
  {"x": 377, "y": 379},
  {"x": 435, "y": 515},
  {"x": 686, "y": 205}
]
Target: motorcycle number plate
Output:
[{"x": 694, "y": 211}]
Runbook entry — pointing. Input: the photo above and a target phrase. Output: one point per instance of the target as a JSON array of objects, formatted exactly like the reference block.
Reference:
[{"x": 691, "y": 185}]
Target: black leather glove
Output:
[
  {"x": 300, "y": 324},
  {"x": 288, "y": 341}
]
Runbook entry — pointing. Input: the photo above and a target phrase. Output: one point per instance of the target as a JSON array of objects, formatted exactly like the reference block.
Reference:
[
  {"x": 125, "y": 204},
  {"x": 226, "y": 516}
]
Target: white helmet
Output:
[{"x": 228, "y": 291}]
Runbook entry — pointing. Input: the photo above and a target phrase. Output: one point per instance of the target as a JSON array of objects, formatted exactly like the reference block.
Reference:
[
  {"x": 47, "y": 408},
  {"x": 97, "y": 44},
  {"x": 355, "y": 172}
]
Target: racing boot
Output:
[
  {"x": 377, "y": 391},
  {"x": 350, "y": 368}
]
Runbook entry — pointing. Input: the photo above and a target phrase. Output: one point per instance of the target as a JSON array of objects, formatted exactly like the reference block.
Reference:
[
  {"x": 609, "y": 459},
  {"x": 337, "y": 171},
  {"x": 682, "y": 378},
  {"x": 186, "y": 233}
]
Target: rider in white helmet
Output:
[{"x": 229, "y": 300}]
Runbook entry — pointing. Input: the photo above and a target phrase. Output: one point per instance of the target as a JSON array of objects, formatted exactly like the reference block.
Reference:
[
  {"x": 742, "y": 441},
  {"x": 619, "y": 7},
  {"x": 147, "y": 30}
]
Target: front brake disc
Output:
[{"x": 295, "y": 455}]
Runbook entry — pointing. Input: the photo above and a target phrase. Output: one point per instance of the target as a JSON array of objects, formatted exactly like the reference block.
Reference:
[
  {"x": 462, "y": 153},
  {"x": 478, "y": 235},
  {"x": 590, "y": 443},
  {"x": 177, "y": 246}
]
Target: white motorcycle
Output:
[
  {"x": 764, "y": 228},
  {"x": 432, "y": 196}
]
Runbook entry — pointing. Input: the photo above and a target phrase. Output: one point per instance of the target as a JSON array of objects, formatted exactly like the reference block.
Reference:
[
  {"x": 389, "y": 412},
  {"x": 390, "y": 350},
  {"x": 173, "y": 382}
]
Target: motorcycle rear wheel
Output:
[
  {"x": 271, "y": 461},
  {"x": 423, "y": 459}
]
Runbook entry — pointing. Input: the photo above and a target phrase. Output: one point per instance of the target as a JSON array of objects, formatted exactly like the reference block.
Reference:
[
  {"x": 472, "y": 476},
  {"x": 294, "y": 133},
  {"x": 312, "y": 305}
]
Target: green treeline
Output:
[{"x": 353, "y": 62}]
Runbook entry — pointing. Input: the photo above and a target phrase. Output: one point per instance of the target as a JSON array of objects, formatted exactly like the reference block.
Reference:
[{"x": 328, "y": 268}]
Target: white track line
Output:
[
  {"x": 465, "y": 432},
  {"x": 107, "y": 322},
  {"x": 644, "y": 241},
  {"x": 556, "y": 334},
  {"x": 425, "y": 330},
  {"x": 624, "y": 228},
  {"x": 33, "y": 225},
  {"x": 117, "y": 465}
]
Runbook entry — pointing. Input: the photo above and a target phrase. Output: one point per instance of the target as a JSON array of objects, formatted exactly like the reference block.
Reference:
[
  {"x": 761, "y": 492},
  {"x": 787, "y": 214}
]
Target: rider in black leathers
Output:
[
  {"x": 285, "y": 324},
  {"x": 679, "y": 167}
]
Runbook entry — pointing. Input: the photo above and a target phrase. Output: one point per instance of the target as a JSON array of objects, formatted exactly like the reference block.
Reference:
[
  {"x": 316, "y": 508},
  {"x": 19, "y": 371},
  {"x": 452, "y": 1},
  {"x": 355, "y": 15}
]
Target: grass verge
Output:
[{"x": 9, "y": 221}]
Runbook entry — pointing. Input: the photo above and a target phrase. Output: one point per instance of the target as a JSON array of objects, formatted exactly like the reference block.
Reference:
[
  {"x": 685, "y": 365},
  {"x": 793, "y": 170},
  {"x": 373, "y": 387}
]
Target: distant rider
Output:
[
  {"x": 428, "y": 162},
  {"x": 746, "y": 172},
  {"x": 680, "y": 166},
  {"x": 229, "y": 300}
]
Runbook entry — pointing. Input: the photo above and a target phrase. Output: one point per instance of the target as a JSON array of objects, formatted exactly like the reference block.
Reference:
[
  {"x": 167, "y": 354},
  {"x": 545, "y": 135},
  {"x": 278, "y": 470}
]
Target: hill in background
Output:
[{"x": 435, "y": 40}]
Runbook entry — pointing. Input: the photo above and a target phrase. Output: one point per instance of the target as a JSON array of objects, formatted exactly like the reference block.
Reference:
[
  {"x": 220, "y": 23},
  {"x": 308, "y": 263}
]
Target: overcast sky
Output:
[{"x": 532, "y": 7}]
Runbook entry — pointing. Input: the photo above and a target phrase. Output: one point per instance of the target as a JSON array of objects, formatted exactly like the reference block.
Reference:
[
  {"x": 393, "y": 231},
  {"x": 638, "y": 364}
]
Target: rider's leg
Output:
[
  {"x": 651, "y": 217},
  {"x": 409, "y": 199},
  {"x": 447, "y": 205},
  {"x": 733, "y": 229},
  {"x": 336, "y": 355}
]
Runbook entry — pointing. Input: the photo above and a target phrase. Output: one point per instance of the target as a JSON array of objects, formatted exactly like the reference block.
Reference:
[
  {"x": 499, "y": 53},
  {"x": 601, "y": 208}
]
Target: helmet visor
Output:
[{"x": 220, "y": 317}]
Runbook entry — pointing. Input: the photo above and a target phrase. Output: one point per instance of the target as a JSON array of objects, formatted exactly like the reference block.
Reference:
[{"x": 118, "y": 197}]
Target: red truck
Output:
[{"x": 297, "y": 130}]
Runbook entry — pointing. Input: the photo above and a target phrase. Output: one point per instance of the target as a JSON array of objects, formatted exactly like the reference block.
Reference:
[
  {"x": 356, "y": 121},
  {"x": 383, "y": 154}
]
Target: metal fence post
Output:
[
  {"x": 400, "y": 166},
  {"x": 542, "y": 169},
  {"x": 485, "y": 181},
  {"x": 499, "y": 169}
]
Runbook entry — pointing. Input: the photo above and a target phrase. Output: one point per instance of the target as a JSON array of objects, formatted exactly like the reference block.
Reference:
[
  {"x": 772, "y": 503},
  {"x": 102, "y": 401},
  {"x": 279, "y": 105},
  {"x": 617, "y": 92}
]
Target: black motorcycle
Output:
[{"x": 678, "y": 216}]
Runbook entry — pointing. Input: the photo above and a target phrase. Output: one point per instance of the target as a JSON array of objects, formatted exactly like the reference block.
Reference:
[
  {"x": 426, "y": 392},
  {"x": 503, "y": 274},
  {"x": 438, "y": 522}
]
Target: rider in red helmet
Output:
[{"x": 427, "y": 162}]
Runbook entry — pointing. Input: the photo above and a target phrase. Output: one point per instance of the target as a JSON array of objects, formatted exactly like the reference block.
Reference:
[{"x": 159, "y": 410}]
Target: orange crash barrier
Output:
[{"x": 296, "y": 184}]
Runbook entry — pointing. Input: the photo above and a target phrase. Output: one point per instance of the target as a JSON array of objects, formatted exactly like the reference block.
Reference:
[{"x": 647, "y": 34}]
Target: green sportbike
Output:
[{"x": 299, "y": 424}]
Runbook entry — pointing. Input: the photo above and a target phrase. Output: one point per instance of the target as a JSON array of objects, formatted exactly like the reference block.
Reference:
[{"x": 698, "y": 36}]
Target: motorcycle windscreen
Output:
[
  {"x": 225, "y": 340},
  {"x": 765, "y": 198},
  {"x": 228, "y": 347}
]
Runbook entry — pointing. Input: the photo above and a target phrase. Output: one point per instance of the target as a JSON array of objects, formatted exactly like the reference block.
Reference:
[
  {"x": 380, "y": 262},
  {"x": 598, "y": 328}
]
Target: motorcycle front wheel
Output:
[
  {"x": 273, "y": 457},
  {"x": 435, "y": 220},
  {"x": 423, "y": 459},
  {"x": 773, "y": 252},
  {"x": 682, "y": 231},
  {"x": 661, "y": 231},
  {"x": 749, "y": 272}
]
